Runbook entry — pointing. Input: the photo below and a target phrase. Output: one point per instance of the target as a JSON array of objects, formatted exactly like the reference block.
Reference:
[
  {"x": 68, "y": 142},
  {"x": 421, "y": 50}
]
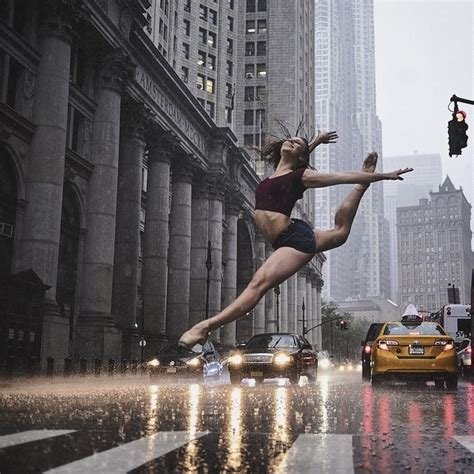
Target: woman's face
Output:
[{"x": 293, "y": 147}]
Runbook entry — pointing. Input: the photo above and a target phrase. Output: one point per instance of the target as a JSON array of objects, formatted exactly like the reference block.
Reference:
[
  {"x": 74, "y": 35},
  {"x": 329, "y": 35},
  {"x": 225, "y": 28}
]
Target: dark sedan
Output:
[
  {"x": 203, "y": 363},
  {"x": 274, "y": 355}
]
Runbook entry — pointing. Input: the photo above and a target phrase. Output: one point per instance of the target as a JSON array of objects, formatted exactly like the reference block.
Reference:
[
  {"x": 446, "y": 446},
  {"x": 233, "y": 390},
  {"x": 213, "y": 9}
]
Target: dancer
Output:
[{"x": 294, "y": 241}]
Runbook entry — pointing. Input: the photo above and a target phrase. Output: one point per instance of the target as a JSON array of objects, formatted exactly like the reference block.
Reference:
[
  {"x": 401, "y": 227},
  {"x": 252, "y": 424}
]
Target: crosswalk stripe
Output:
[
  {"x": 131, "y": 455},
  {"x": 7, "y": 441},
  {"x": 466, "y": 441},
  {"x": 319, "y": 453}
]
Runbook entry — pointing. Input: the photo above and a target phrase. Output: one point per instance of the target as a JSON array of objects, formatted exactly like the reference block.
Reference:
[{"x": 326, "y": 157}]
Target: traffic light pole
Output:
[
  {"x": 456, "y": 99},
  {"x": 320, "y": 324}
]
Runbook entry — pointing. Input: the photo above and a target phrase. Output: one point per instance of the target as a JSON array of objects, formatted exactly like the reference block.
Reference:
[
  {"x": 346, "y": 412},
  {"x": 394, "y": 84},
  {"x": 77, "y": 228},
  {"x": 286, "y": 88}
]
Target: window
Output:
[
  {"x": 210, "y": 108},
  {"x": 262, "y": 5},
  {"x": 261, "y": 26},
  {"x": 200, "y": 81},
  {"x": 228, "y": 90},
  {"x": 249, "y": 93},
  {"x": 75, "y": 130},
  {"x": 228, "y": 114},
  {"x": 184, "y": 74},
  {"x": 203, "y": 12},
  {"x": 249, "y": 71},
  {"x": 230, "y": 23},
  {"x": 230, "y": 68},
  {"x": 187, "y": 27},
  {"x": 250, "y": 6},
  {"x": 202, "y": 35},
  {"x": 260, "y": 93},
  {"x": 250, "y": 27},
  {"x": 211, "y": 62},
  {"x": 201, "y": 58},
  {"x": 249, "y": 48},
  {"x": 210, "y": 86},
  {"x": 186, "y": 50},
  {"x": 187, "y": 5},
  {"x": 230, "y": 46},
  {"x": 261, "y": 48},
  {"x": 248, "y": 117},
  {"x": 211, "y": 40},
  {"x": 262, "y": 70},
  {"x": 231, "y": 4},
  {"x": 248, "y": 139},
  {"x": 213, "y": 16}
]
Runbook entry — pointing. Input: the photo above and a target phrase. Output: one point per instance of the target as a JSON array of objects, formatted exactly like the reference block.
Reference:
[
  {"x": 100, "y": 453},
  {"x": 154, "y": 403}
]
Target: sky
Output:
[{"x": 424, "y": 53}]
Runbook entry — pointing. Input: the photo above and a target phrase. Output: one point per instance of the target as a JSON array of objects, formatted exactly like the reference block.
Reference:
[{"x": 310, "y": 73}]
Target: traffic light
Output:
[
  {"x": 343, "y": 325},
  {"x": 457, "y": 128}
]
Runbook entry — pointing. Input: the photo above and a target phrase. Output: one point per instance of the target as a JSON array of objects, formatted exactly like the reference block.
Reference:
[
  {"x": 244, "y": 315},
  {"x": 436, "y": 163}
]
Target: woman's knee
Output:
[{"x": 259, "y": 283}]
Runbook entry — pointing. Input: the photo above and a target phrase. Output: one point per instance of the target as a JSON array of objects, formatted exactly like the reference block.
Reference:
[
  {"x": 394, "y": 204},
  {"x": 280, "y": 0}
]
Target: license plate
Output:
[
  {"x": 256, "y": 374},
  {"x": 415, "y": 350},
  {"x": 171, "y": 370}
]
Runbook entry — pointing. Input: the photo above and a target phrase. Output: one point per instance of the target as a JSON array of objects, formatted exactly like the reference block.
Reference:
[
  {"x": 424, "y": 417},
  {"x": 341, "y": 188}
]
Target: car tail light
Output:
[
  {"x": 384, "y": 345},
  {"x": 367, "y": 349},
  {"x": 448, "y": 345},
  {"x": 469, "y": 350}
]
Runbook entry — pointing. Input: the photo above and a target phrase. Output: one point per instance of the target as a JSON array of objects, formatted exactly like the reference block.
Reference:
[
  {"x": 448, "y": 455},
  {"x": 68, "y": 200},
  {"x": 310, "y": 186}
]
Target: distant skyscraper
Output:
[
  {"x": 434, "y": 248},
  {"x": 427, "y": 177}
]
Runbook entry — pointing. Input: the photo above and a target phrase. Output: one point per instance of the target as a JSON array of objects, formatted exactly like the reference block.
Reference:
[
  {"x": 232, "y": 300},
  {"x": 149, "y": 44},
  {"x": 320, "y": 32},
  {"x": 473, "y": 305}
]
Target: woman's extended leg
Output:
[
  {"x": 283, "y": 263},
  {"x": 328, "y": 239}
]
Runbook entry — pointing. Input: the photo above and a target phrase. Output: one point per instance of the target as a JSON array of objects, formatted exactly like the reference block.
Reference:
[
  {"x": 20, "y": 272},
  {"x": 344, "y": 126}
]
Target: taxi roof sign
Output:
[{"x": 411, "y": 310}]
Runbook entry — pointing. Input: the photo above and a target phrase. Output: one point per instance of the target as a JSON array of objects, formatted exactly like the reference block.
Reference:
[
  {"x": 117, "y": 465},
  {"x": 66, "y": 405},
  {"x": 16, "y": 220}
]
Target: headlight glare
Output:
[
  {"x": 282, "y": 359},
  {"x": 194, "y": 362},
  {"x": 153, "y": 363},
  {"x": 236, "y": 359}
]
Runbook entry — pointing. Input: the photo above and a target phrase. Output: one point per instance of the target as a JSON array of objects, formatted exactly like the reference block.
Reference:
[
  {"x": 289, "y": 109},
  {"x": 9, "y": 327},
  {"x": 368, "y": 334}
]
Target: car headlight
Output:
[
  {"x": 153, "y": 363},
  {"x": 324, "y": 364},
  {"x": 194, "y": 362},
  {"x": 236, "y": 359},
  {"x": 282, "y": 359}
]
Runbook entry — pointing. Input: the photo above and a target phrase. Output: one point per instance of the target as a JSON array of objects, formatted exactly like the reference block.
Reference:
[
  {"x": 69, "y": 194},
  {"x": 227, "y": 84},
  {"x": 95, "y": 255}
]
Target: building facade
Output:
[
  {"x": 113, "y": 181},
  {"x": 434, "y": 248},
  {"x": 427, "y": 178}
]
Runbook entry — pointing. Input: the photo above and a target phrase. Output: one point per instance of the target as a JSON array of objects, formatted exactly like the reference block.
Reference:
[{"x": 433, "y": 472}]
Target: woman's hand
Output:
[
  {"x": 396, "y": 175},
  {"x": 326, "y": 137}
]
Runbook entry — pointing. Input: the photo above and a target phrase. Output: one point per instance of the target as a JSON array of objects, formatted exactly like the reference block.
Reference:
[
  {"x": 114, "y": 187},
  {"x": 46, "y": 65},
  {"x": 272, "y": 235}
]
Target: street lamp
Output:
[
  {"x": 277, "y": 293},
  {"x": 208, "y": 280},
  {"x": 303, "y": 319}
]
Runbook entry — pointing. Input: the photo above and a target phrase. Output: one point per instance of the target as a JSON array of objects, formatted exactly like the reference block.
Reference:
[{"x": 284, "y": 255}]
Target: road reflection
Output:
[
  {"x": 234, "y": 431},
  {"x": 191, "y": 453}
]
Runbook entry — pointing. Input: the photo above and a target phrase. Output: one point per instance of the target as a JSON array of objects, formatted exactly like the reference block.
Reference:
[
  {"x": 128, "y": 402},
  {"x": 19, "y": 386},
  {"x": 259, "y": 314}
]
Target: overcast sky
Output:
[{"x": 424, "y": 54}]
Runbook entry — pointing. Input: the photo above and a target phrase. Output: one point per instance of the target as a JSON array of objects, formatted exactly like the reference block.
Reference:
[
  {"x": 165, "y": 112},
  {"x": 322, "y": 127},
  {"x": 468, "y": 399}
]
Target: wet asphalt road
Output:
[{"x": 338, "y": 424}]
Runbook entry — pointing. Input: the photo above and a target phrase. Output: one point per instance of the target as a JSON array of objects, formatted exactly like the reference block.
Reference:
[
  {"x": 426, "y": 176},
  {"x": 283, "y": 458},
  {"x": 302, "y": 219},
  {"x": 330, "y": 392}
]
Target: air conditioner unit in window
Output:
[
  {"x": 248, "y": 75},
  {"x": 6, "y": 230}
]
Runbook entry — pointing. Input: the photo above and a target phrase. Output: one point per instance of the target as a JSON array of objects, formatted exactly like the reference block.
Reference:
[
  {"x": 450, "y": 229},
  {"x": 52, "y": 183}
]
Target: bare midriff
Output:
[{"x": 271, "y": 224}]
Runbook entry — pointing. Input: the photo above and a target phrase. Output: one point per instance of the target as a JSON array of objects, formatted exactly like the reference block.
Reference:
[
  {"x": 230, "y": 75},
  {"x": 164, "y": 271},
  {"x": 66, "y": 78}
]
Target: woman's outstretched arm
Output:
[{"x": 314, "y": 179}]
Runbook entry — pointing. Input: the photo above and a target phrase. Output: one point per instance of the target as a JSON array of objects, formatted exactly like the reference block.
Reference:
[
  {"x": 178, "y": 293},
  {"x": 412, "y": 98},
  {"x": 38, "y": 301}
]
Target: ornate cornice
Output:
[
  {"x": 182, "y": 169},
  {"x": 57, "y": 17},
  {"x": 134, "y": 118}
]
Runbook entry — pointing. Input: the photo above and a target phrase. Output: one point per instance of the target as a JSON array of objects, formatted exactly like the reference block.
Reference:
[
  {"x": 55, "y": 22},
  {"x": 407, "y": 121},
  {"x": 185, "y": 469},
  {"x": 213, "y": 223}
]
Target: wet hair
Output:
[{"x": 270, "y": 152}]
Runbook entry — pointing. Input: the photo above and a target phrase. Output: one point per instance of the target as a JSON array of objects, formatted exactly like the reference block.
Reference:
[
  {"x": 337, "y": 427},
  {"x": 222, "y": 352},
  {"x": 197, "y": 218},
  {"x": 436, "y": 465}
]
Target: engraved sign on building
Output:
[{"x": 169, "y": 108}]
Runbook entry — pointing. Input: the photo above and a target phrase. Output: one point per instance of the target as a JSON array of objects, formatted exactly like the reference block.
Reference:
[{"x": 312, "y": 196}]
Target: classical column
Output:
[
  {"x": 309, "y": 304},
  {"x": 127, "y": 234},
  {"x": 233, "y": 206},
  {"x": 299, "y": 301},
  {"x": 155, "y": 248},
  {"x": 313, "y": 333},
  {"x": 179, "y": 259},
  {"x": 319, "y": 318},
  {"x": 270, "y": 309},
  {"x": 45, "y": 176},
  {"x": 259, "y": 310},
  {"x": 217, "y": 190},
  {"x": 199, "y": 247},
  {"x": 284, "y": 306},
  {"x": 291, "y": 303},
  {"x": 97, "y": 336}
]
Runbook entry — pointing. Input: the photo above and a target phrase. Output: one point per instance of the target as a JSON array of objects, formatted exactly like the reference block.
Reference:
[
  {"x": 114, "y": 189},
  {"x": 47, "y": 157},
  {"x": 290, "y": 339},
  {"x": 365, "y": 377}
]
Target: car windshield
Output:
[
  {"x": 266, "y": 341},
  {"x": 414, "y": 330}
]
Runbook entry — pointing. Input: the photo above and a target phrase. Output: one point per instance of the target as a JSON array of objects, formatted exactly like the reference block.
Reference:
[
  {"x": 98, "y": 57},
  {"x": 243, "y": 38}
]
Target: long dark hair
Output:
[{"x": 270, "y": 152}]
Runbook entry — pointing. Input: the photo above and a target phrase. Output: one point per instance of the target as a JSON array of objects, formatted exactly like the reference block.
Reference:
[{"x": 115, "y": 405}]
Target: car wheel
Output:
[
  {"x": 365, "y": 372},
  {"x": 439, "y": 383},
  {"x": 376, "y": 380},
  {"x": 312, "y": 375},
  {"x": 452, "y": 382},
  {"x": 235, "y": 379},
  {"x": 295, "y": 377}
]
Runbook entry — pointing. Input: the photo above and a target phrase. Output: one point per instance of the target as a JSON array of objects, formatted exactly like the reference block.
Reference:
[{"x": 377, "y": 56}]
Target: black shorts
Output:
[{"x": 297, "y": 235}]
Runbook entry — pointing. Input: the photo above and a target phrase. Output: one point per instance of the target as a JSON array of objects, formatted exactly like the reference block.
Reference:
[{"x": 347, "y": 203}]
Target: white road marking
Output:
[
  {"x": 13, "y": 439},
  {"x": 319, "y": 453},
  {"x": 131, "y": 455},
  {"x": 466, "y": 441}
]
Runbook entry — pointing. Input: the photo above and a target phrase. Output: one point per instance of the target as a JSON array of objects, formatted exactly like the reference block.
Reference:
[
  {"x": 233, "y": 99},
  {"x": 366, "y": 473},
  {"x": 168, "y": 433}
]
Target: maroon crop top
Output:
[{"x": 280, "y": 194}]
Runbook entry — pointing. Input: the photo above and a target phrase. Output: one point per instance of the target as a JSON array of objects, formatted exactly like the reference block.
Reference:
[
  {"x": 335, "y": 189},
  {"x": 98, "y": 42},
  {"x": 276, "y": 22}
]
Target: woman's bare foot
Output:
[
  {"x": 368, "y": 166},
  {"x": 197, "y": 334}
]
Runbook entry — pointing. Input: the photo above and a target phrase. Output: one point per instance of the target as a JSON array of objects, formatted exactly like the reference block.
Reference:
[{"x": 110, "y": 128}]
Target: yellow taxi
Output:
[{"x": 413, "y": 349}]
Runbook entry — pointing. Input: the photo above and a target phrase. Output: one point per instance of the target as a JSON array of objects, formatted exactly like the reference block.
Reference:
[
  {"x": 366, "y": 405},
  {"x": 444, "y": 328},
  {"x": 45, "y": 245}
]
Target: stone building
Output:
[
  {"x": 113, "y": 179},
  {"x": 434, "y": 248}
]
